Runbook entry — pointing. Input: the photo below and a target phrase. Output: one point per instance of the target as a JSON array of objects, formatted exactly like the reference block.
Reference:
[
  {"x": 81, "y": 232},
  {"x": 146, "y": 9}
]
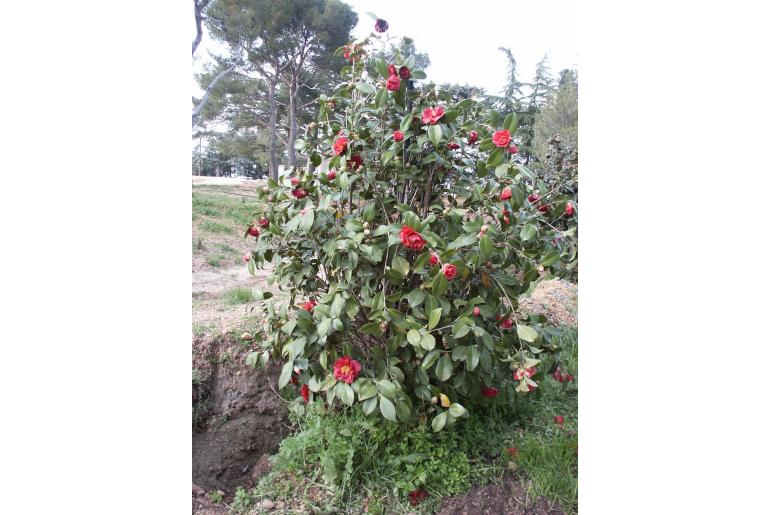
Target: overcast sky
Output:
[{"x": 462, "y": 37}]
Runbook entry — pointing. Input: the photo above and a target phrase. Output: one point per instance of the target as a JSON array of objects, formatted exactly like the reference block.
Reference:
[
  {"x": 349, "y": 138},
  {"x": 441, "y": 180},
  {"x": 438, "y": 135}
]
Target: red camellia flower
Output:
[
  {"x": 346, "y": 369},
  {"x": 501, "y": 138},
  {"x": 449, "y": 271},
  {"x": 294, "y": 181},
  {"x": 341, "y": 145},
  {"x": 404, "y": 73},
  {"x": 355, "y": 162},
  {"x": 473, "y": 137},
  {"x": 513, "y": 451},
  {"x": 506, "y": 194},
  {"x": 417, "y": 496},
  {"x": 569, "y": 210},
  {"x": 433, "y": 259},
  {"x": 331, "y": 175},
  {"x": 489, "y": 392},
  {"x": 432, "y": 115},
  {"x": 392, "y": 69},
  {"x": 299, "y": 193},
  {"x": 513, "y": 149},
  {"x": 411, "y": 238},
  {"x": 398, "y": 136},
  {"x": 559, "y": 420},
  {"x": 264, "y": 222},
  {"x": 507, "y": 323},
  {"x": 476, "y": 311},
  {"x": 305, "y": 392},
  {"x": 309, "y": 305},
  {"x": 533, "y": 198},
  {"x": 253, "y": 230},
  {"x": 380, "y": 25},
  {"x": 452, "y": 145},
  {"x": 393, "y": 83}
]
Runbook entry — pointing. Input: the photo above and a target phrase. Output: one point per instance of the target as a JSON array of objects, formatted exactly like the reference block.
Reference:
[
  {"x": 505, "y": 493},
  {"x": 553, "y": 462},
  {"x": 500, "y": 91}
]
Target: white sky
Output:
[{"x": 462, "y": 37}]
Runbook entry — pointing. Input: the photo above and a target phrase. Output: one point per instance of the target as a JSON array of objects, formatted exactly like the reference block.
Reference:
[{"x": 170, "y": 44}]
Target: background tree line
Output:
[{"x": 280, "y": 57}]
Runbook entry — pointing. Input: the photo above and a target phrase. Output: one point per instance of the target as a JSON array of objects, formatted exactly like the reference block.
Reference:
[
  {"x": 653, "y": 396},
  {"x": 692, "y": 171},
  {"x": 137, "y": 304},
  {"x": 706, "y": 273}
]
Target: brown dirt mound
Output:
[
  {"x": 554, "y": 298},
  {"x": 240, "y": 417},
  {"x": 509, "y": 498}
]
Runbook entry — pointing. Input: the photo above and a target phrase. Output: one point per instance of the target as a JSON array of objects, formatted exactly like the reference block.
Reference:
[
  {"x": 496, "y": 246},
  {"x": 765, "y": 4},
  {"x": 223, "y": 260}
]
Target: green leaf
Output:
[
  {"x": 496, "y": 158},
  {"x": 428, "y": 342},
  {"x": 472, "y": 359},
  {"x": 430, "y": 358},
  {"x": 387, "y": 388},
  {"x": 299, "y": 144},
  {"x": 370, "y": 405},
  {"x": 286, "y": 371},
  {"x": 415, "y": 297},
  {"x": 440, "y": 284},
  {"x": 439, "y": 422},
  {"x": 528, "y": 232},
  {"x": 460, "y": 329},
  {"x": 372, "y": 328},
  {"x": 307, "y": 220},
  {"x": 485, "y": 246},
  {"x": 365, "y": 88},
  {"x": 406, "y": 122},
  {"x": 457, "y": 410},
  {"x": 387, "y": 409},
  {"x": 444, "y": 368},
  {"x": 511, "y": 123},
  {"x": 345, "y": 393},
  {"x": 337, "y": 305},
  {"x": 401, "y": 264},
  {"x": 367, "y": 391},
  {"x": 381, "y": 97},
  {"x": 381, "y": 68},
  {"x": 550, "y": 258},
  {"x": 435, "y": 316},
  {"x": 418, "y": 74},
  {"x": 526, "y": 333},
  {"x": 413, "y": 336},
  {"x": 252, "y": 266},
  {"x": 324, "y": 326},
  {"x": 435, "y": 134}
]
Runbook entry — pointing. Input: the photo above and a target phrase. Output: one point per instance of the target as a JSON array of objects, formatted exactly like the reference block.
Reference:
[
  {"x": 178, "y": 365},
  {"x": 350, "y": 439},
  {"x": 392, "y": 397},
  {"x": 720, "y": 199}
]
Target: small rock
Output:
[
  {"x": 198, "y": 491},
  {"x": 247, "y": 336},
  {"x": 279, "y": 505},
  {"x": 267, "y": 504}
]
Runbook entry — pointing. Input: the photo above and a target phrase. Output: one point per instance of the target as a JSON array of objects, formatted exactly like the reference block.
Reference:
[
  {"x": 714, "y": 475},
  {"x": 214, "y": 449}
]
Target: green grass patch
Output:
[
  {"x": 216, "y": 227},
  {"x": 213, "y": 261},
  {"x": 227, "y": 209},
  {"x": 238, "y": 296}
]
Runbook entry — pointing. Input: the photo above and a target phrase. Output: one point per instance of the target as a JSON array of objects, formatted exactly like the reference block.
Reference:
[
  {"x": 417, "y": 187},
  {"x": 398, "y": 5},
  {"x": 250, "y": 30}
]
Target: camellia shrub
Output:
[{"x": 403, "y": 248}]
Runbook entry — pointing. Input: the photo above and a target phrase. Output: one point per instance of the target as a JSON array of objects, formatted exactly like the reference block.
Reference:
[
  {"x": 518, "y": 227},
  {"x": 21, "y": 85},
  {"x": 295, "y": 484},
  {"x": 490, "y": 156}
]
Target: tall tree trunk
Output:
[
  {"x": 199, "y": 6},
  {"x": 292, "y": 122},
  {"x": 272, "y": 129}
]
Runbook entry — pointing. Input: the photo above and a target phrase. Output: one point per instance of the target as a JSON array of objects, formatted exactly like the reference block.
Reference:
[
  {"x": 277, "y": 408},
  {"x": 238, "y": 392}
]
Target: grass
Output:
[
  {"x": 216, "y": 227},
  {"x": 344, "y": 462},
  {"x": 238, "y": 296}
]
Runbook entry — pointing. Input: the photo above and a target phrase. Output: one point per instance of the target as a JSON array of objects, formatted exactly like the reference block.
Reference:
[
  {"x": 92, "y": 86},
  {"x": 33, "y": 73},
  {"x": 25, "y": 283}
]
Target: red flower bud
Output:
[
  {"x": 513, "y": 149},
  {"x": 569, "y": 210},
  {"x": 299, "y": 193},
  {"x": 331, "y": 175},
  {"x": 392, "y": 70},
  {"x": 264, "y": 222},
  {"x": 380, "y": 25},
  {"x": 355, "y": 162},
  {"x": 433, "y": 259},
  {"x": 449, "y": 271},
  {"x": 309, "y": 305},
  {"x": 452, "y": 145},
  {"x": 341, "y": 145},
  {"x": 476, "y": 311},
  {"x": 253, "y": 230},
  {"x": 294, "y": 181},
  {"x": 533, "y": 198},
  {"x": 559, "y": 420},
  {"x": 398, "y": 136},
  {"x": 506, "y": 194},
  {"x": 404, "y": 73},
  {"x": 305, "y": 392},
  {"x": 247, "y": 257},
  {"x": 473, "y": 137}
]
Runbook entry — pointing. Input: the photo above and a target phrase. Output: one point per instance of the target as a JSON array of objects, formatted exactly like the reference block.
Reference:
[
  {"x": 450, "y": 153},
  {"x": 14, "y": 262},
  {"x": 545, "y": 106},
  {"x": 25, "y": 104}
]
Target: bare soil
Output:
[
  {"x": 554, "y": 298},
  {"x": 511, "y": 497}
]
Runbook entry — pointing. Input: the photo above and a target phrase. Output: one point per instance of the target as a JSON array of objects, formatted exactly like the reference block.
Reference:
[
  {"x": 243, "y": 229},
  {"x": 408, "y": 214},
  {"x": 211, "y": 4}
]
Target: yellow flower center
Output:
[{"x": 345, "y": 369}]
